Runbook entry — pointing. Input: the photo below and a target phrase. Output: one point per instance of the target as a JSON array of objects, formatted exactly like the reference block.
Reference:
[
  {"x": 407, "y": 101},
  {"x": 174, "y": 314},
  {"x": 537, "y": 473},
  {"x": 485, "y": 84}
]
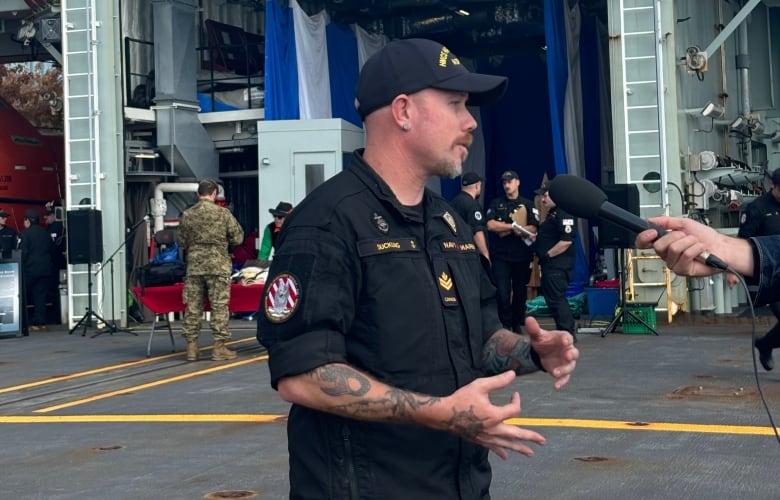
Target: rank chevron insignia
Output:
[{"x": 445, "y": 281}]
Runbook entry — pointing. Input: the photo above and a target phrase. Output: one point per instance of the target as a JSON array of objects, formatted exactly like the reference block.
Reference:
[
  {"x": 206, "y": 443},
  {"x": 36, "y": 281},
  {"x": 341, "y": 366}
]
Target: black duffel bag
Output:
[{"x": 161, "y": 274}]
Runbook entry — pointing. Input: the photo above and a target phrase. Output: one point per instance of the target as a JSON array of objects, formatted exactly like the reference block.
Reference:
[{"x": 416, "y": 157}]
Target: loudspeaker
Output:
[
  {"x": 85, "y": 236},
  {"x": 626, "y": 196}
]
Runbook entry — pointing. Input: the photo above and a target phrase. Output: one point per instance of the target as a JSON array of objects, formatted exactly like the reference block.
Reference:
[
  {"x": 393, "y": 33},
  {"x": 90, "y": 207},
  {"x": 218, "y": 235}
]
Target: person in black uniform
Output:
[
  {"x": 466, "y": 205},
  {"x": 9, "y": 239},
  {"x": 762, "y": 218},
  {"x": 555, "y": 249},
  {"x": 511, "y": 251},
  {"x": 57, "y": 232},
  {"x": 378, "y": 316},
  {"x": 37, "y": 250}
]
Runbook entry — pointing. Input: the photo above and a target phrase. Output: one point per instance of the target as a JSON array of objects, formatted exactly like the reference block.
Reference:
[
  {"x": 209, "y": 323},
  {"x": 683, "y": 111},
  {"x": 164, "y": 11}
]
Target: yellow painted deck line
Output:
[
  {"x": 525, "y": 422},
  {"x": 91, "y": 419},
  {"x": 152, "y": 384},
  {"x": 62, "y": 378},
  {"x": 642, "y": 426}
]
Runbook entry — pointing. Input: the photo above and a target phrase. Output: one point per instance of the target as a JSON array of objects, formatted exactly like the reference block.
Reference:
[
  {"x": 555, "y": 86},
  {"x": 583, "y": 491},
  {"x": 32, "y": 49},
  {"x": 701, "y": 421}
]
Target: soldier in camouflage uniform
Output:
[{"x": 206, "y": 230}]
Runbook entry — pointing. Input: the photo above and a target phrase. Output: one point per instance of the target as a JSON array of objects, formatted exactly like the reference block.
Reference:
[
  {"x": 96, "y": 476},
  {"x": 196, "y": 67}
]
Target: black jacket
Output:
[
  {"x": 761, "y": 217},
  {"x": 399, "y": 293},
  {"x": 510, "y": 248},
  {"x": 8, "y": 241},
  {"x": 558, "y": 226},
  {"x": 470, "y": 210},
  {"x": 37, "y": 251}
]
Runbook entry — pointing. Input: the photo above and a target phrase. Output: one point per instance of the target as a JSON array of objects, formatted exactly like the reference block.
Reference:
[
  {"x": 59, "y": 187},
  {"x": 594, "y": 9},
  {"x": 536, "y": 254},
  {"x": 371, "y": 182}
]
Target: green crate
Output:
[{"x": 644, "y": 311}]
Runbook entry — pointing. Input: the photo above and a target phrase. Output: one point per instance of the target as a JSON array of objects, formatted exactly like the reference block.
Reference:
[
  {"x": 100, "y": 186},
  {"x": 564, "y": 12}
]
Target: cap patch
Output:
[{"x": 282, "y": 298}]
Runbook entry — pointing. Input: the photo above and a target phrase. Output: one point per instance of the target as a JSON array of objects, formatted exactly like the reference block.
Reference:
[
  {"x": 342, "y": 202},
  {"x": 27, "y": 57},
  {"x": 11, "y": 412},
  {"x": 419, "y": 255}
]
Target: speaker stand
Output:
[
  {"x": 112, "y": 327},
  {"x": 623, "y": 310},
  {"x": 89, "y": 314}
]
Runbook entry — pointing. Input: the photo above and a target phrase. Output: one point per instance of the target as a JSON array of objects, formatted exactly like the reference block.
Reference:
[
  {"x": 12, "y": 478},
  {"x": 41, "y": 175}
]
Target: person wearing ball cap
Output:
[
  {"x": 9, "y": 238},
  {"x": 466, "y": 205},
  {"x": 37, "y": 252},
  {"x": 379, "y": 319},
  {"x": 555, "y": 249}
]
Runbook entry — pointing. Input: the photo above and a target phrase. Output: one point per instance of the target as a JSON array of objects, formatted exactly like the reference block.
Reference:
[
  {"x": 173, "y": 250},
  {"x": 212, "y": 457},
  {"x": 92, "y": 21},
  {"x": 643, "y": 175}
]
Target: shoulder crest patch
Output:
[{"x": 282, "y": 296}]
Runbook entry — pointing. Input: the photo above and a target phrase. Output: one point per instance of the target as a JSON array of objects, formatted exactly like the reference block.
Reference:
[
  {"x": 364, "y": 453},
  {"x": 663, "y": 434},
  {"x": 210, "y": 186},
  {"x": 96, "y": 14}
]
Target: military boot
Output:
[
  {"x": 222, "y": 353},
  {"x": 193, "y": 353}
]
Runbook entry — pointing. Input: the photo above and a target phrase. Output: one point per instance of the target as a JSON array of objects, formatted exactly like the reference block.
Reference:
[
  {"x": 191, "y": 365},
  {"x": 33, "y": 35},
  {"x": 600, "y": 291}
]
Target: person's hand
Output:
[
  {"x": 555, "y": 349},
  {"x": 475, "y": 418},
  {"x": 687, "y": 238},
  {"x": 732, "y": 279}
]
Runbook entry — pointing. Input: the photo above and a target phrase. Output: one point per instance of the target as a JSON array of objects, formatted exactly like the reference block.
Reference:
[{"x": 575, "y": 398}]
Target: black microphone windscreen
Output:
[{"x": 577, "y": 196}]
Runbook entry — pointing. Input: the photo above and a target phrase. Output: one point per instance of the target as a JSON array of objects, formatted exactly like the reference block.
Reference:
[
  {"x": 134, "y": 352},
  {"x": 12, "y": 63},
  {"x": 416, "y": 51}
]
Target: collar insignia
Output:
[
  {"x": 450, "y": 220},
  {"x": 380, "y": 223}
]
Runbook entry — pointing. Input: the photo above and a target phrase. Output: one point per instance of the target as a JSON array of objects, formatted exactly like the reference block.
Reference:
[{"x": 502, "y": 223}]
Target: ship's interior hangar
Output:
[{"x": 677, "y": 98}]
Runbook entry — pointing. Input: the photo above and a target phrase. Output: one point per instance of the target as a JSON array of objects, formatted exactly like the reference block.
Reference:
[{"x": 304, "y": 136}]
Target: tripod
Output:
[
  {"x": 622, "y": 309},
  {"x": 90, "y": 313},
  {"x": 111, "y": 327}
]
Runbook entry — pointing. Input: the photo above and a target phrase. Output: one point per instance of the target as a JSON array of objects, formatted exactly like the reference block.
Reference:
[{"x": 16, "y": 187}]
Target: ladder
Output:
[
  {"x": 642, "y": 77},
  {"x": 643, "y": 105},
  {"x": 634, "y": 267},
  {"x": 80, "y": 94}
]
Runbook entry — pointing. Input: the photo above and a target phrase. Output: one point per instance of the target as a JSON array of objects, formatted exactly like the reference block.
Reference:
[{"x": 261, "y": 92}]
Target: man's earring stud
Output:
[{"x": 406, "y": 127}]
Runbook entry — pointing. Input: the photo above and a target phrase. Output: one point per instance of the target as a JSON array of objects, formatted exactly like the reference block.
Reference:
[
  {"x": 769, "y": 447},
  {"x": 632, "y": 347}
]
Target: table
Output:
[{"x": 162, "y": 300}]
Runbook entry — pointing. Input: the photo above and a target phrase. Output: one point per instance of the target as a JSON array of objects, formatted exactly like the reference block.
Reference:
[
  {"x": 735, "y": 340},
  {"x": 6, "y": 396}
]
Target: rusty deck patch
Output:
[
  {"x": 218, "y": 495},
  {"x": 712, "y": 392}
]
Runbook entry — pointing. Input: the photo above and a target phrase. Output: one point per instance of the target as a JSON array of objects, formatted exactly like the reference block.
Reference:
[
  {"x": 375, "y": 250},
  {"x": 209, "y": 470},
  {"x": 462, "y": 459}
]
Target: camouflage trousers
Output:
[{"x": 196, "y": 289}]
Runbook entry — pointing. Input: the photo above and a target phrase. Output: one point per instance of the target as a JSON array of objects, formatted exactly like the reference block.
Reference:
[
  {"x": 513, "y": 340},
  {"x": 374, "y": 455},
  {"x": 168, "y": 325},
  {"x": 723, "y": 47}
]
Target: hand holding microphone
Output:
[{"x": 582, "y": 198}]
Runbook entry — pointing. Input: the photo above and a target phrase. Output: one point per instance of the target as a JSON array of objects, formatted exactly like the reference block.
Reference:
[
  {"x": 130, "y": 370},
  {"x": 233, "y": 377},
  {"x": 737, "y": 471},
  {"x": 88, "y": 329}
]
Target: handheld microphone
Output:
[{"x": 582, "y": 198}]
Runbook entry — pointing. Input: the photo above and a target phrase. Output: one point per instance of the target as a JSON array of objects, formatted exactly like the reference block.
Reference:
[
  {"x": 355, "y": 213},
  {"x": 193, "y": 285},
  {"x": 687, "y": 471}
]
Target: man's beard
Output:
[{"x": 448, "y": 169}]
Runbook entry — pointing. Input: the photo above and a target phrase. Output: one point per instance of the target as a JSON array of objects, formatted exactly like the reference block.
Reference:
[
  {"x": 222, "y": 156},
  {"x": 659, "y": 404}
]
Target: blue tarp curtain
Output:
[{"x": 281, "y": 71}]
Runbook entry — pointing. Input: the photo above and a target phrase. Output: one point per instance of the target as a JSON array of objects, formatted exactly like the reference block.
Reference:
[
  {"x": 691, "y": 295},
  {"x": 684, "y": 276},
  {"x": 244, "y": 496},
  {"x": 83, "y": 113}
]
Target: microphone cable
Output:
[{"x": 753, "y": 351}]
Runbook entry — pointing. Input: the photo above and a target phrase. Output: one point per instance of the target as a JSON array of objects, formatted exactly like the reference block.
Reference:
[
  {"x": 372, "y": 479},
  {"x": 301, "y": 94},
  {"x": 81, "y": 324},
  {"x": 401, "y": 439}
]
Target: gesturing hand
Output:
[
  {"x": 475, "y": 418},
  {"x": 555, "y": 349}
]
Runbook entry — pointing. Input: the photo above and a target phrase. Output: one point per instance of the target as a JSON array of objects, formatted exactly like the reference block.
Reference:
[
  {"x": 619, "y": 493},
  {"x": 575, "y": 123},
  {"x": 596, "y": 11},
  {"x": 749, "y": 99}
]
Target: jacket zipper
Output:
[{"x": 349, "y": 464}]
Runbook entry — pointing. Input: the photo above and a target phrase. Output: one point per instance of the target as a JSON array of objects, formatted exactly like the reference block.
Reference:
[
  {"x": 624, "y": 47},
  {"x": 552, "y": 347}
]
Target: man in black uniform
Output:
[
  {"x": 37, "y": 250},
  {"x": 555, "y": 248},
  {"x": 511, "y": 252},
  {"x": 378, "y": 316},
  {"x": 466, "y": 205},
  {"x": 762, "y": 218},
  {"x": 9, "y": 239},
  {"x": 57, "y": 231}
]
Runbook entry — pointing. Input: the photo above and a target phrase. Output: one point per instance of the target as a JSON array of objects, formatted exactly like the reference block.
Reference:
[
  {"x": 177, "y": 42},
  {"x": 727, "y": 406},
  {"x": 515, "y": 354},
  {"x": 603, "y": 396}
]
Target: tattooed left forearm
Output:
[{"x": 507, "y": 352}]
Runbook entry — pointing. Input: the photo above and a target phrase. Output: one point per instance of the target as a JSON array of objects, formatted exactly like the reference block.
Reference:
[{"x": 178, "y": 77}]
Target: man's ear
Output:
[{"x": 400, "y": 108}]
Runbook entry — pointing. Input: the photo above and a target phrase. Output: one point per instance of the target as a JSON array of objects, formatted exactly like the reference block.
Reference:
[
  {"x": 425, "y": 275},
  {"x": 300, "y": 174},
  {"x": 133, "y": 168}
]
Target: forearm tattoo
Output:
[
  {"x": 507, "y": 352},
  {"x": 395, "y": 405}
]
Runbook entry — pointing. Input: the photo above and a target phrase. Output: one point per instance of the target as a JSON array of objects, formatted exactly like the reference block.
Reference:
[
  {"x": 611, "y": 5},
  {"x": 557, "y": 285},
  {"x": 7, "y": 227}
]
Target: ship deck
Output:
[{"x": 653, "y": 417}]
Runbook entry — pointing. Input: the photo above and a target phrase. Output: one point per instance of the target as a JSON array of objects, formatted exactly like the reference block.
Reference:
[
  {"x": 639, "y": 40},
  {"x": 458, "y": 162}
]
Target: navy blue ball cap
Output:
[
  {"x": 470, "y": 178},
  {"x": 414, "y": 64}
]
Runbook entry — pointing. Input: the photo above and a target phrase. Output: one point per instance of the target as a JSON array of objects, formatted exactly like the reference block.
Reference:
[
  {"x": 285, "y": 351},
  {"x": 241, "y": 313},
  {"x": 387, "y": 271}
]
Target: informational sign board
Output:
[{"x": 10, "y": 297}]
